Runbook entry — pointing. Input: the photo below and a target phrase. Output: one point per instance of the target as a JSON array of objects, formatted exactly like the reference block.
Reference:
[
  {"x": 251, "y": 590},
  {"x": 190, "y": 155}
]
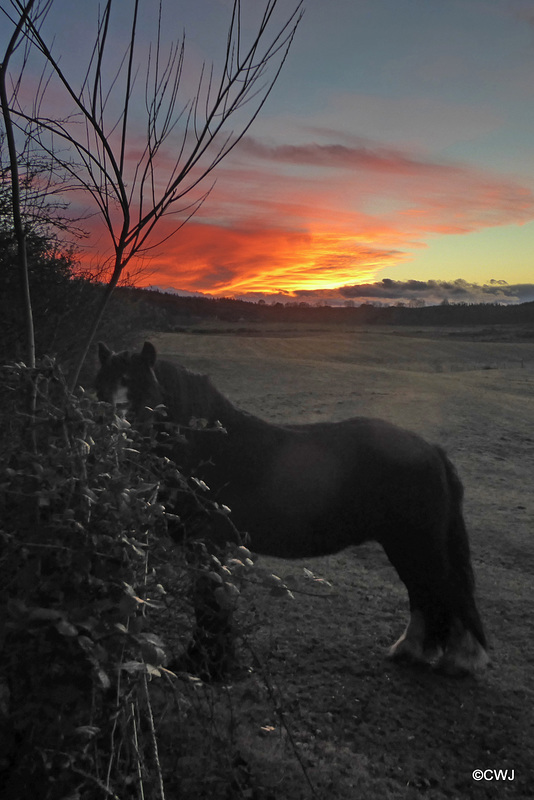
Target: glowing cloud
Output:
[
  {"x": 317, "y": 216},
  {"x": 224, "y": 261}
]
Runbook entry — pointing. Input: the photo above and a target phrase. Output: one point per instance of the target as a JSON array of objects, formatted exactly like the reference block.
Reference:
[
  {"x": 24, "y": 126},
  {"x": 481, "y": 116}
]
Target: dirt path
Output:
[{"x": 366, "y": 728}]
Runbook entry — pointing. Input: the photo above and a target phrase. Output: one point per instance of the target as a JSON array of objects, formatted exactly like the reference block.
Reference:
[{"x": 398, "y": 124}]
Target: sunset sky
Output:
[{"x": 393, "y": 161}]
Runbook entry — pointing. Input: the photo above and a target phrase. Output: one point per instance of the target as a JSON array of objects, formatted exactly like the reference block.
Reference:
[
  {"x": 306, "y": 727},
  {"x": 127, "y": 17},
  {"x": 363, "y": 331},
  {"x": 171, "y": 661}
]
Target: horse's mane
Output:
[{"x": 189, "y": 394}]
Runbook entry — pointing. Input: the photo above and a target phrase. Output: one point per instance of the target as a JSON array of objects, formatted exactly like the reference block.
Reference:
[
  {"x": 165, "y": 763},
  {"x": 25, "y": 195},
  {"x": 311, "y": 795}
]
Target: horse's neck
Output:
[
  {"x": 235, "y": 449},
  {"x": 215, "y": 407},
  {"x": 189, "y": 395}
]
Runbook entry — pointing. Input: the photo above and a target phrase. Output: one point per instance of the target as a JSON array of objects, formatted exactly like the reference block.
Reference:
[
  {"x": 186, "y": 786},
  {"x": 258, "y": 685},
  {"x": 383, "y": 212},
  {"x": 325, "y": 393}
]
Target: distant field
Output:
[
  {"x": 414, "y": 378},
  {"x": 473, "y": 392}
]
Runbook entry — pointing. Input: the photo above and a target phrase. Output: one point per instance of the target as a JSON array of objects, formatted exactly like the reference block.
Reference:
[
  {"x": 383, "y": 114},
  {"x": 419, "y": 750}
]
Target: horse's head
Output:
[{"x": 128, "y": 379}]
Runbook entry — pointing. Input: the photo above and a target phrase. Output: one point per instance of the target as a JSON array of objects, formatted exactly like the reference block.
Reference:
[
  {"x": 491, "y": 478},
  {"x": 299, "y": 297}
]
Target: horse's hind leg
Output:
[
  {"x": 420, "y": 642},
  {"x": 444, "y": 624},
  {"x": 465, "y": 643},
  {"x": 421, "y": 572},
  {"x": 443, "y": 628},
  {"x": 465, "y": 646}
]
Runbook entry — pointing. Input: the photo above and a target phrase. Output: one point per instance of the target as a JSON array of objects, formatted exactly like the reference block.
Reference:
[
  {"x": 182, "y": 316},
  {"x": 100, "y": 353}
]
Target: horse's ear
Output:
[
  {"x": 148, "y": 354},
  {"x": 104, "y": 353}
]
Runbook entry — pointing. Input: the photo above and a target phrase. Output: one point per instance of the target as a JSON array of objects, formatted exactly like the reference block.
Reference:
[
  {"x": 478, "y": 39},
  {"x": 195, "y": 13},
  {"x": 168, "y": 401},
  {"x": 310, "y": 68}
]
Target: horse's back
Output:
[{"x": 364, "y": 442}]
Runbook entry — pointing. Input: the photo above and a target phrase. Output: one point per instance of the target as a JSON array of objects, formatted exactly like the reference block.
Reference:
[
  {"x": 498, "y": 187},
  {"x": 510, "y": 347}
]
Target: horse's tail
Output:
[{"x": 459, "y": 552}]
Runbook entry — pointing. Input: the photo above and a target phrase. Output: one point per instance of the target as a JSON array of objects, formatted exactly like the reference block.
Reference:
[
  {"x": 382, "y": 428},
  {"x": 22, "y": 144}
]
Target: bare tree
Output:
[
  {"x": 25, "y": 297},
  {"x": 132, "y": 197}
]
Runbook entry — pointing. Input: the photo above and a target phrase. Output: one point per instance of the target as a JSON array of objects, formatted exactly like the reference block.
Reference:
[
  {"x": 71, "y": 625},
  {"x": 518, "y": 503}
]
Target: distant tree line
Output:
[{"x": 166, "y": 311}]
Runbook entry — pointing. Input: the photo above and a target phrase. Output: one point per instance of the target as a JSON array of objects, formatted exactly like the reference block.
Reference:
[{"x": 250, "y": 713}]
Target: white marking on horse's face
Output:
[{"x": 120, "y": 398}]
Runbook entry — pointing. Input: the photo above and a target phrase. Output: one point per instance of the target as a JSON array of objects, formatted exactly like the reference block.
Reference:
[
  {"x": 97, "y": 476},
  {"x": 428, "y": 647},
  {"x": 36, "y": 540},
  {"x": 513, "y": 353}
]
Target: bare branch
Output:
[{"x": 194, "y": 134}]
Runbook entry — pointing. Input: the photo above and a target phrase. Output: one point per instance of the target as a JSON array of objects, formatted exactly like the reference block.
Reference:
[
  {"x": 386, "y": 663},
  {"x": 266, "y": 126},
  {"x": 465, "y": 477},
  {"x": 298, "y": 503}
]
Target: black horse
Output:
[{"x": 311, "y": 490}]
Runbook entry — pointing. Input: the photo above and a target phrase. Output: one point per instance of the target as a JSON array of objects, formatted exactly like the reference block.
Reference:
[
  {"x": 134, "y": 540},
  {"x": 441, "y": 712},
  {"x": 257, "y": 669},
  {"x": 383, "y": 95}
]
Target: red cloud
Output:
[
  {"x": 373, "y": 158},
  {"x": 226, "y": 261},
  {"x": 283, "y": 218}
]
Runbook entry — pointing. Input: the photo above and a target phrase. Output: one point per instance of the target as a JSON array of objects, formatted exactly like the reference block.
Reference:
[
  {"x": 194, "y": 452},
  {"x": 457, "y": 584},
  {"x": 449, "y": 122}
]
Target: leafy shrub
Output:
[
  {"x": 92, "y": 568},
  {"x": 81, "y": 559}
]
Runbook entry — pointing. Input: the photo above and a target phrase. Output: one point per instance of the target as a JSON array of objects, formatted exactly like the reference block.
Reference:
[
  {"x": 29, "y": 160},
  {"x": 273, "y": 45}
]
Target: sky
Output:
[{"x": 392, "y": 162}]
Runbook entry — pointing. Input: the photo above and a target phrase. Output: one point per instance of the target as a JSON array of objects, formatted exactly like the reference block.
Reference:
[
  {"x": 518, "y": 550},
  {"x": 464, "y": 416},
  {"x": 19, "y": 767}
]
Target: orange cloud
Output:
[
  {"x": 315, "y": 217},
  {"x": 227, "y": 261}
]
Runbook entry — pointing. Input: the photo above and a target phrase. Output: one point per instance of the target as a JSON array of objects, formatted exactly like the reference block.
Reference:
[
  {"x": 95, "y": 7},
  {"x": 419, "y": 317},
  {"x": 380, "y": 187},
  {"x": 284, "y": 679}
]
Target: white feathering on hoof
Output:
[{"x": 464, "y": 655}]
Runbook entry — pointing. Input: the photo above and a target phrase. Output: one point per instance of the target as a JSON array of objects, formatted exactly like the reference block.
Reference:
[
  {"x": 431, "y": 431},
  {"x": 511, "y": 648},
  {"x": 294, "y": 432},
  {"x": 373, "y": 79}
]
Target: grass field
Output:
[{"x": 365, "y": 727}]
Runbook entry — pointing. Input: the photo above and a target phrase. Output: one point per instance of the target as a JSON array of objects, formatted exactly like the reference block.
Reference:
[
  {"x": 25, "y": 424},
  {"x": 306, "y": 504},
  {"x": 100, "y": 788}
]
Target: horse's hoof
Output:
[
  {"x": 471, "y": 659},
  {"x": 449, "y": 669},
  {"x": 201, "y": 666},
  {"x": 406, "y": 652}
]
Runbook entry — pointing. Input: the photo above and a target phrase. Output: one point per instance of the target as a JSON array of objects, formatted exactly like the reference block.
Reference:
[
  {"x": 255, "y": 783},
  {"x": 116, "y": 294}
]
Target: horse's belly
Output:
[
  {"x": 304, "y": 507},
  {"x": 321, "y": 492}
]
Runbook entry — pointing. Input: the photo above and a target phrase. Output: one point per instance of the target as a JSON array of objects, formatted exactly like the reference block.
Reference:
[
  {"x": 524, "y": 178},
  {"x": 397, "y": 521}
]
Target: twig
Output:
[
  {"x": 154, "y": 740},
  {"x": 276, "y": 703},
  {"x": 136, "y": 745}
]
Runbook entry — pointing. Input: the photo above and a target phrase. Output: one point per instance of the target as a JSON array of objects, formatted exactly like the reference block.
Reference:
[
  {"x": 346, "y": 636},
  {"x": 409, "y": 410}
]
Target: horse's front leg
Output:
[{"x": 211, "y": 651}]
